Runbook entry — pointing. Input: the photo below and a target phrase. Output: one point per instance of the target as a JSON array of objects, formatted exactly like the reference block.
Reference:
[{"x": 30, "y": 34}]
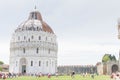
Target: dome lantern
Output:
[{"x": 35, "y": 15}]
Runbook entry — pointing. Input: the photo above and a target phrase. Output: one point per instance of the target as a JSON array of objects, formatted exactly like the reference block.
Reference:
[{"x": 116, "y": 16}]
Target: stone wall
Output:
[{"x": 78, "y": 69}]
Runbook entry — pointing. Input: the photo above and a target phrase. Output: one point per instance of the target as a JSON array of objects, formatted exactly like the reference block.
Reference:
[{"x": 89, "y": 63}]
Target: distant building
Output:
[
  {"x": 110, "y": 66},
  {"x": 33, "y": 47},
  {"x": 99, "y": 66},
  {"x": 5, "y": 67},
  {"x": 78, "y": 69}
]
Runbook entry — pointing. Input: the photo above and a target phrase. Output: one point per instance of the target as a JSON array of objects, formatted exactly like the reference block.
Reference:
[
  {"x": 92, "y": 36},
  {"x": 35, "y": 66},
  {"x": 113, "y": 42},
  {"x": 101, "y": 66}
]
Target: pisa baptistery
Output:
[{"x": 33, "y": 47}]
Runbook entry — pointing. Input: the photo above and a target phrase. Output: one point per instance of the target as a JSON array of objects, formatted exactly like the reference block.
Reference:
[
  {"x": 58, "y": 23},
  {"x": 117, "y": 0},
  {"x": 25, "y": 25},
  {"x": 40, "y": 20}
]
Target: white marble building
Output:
[{"x": 33, "y": 47}]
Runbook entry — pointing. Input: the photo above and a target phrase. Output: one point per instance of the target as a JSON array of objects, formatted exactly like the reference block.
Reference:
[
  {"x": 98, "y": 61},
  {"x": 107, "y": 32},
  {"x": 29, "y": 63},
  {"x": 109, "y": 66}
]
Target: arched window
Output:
[
  {"x": 24, "y": 37},
  {"x": 23, "y": 50},
  {"x": 18, "y": 37},
  {"x": 37, "y": 28},
  {"x": 46, "y": 38},
  {"x": 48, "y": 51},
  {"x": 47, "y": 64},
  {"x": 39, "y": 63},
  {"x": 29, "y": 39},
  {"x": 39, "y": 37},
  {"x": 31, "y": 63},
  {"x": 37, "y": 50},
  {"x": 32, "y": 37},
  {"x": 32, "y": 15},
  {"x": 35, "y": 15}
]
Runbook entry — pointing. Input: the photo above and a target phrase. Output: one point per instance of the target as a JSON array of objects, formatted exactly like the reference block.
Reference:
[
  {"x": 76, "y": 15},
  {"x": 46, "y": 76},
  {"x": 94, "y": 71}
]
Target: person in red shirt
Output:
[{"x": 49, "y": 75}]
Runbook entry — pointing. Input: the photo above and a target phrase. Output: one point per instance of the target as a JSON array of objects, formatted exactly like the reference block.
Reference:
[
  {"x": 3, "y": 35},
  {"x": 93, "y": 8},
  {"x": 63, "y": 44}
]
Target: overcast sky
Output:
[{"x": 85, "y": 29}]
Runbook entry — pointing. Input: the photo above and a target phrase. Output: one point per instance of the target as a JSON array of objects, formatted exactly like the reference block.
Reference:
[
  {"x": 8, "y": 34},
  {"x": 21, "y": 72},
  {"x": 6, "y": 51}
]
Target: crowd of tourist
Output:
[{"x": 3, "y": 76}]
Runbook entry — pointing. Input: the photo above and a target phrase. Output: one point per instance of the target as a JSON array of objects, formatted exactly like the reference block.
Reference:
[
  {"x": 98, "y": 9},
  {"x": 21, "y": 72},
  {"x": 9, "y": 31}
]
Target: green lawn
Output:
[{"x": 77, "y": 77}]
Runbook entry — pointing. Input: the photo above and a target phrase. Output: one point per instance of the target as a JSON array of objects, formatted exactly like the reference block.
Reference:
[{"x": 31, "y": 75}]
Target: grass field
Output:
[{"x": 77, "y": 77}]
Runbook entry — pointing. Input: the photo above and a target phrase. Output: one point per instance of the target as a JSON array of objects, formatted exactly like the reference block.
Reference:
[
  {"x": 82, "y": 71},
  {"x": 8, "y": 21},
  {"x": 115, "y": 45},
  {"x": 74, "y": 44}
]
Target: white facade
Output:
[{"x": 33, "y": 47}]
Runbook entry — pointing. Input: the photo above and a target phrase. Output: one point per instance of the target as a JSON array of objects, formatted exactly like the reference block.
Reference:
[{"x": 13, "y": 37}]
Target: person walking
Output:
[
  {"x": 72, "y": 74},
  {"x": 4, "y": 76}
]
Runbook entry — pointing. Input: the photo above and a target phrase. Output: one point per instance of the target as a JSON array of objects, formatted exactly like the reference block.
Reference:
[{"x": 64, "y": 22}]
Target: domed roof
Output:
[{"x": 34, "y": 23}]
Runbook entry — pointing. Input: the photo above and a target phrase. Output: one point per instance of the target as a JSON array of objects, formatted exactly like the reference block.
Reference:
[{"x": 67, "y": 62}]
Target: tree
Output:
[
  {"x": 1, "y": 63},
  {"x": 0, "y": 68},
  {"x": 113, "y": 58},
  {"x": 108, "y": 57}
]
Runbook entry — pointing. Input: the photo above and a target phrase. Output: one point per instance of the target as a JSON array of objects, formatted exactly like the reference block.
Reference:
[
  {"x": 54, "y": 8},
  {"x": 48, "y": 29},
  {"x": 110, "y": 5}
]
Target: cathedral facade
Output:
[{"x": 33, "y": 47}]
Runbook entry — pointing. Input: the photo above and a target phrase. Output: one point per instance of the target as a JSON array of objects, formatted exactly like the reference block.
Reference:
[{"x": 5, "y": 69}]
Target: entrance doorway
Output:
[
  {"x": 23, "y": 66},
  {"x": 23, "y": 69},
  {"x": 114, "y": 68}
]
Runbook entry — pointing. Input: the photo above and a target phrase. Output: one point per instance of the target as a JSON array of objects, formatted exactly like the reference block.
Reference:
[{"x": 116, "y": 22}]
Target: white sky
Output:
[{"x": 86, "y": 29}]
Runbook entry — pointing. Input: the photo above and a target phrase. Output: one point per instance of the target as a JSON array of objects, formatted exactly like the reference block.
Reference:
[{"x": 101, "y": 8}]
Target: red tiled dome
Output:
[{"x": 35, "y": 22}]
